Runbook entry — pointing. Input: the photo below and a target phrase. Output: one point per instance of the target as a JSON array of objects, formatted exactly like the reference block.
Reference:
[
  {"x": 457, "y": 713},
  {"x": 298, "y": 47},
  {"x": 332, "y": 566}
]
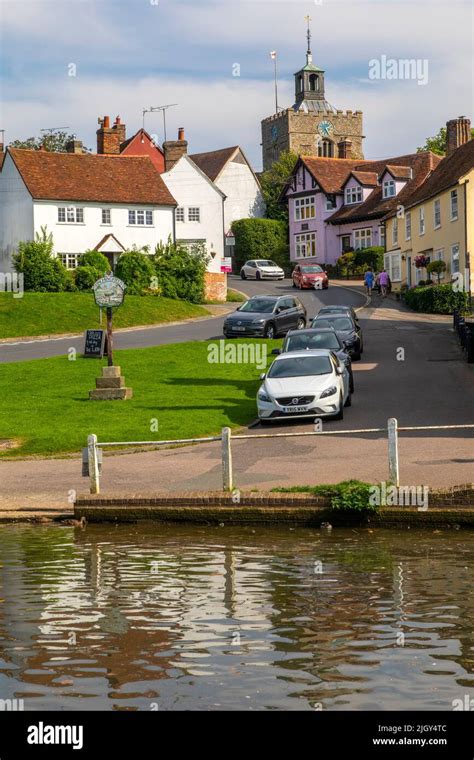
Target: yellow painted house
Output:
[{"x": 437, "y": 220}]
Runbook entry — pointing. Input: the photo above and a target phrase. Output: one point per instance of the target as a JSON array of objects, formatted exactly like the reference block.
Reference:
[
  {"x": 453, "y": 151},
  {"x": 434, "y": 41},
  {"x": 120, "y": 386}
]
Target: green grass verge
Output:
[
  {"x": 55, "y": 313},
  {"x": 349, "y": 495},
  {"x": 44, "y": 403}
]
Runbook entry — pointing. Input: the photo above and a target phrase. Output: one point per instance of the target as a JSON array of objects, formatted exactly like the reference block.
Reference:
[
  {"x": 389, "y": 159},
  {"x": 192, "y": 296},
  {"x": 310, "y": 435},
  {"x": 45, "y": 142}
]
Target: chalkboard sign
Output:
[{"x": 94, "y": 344}]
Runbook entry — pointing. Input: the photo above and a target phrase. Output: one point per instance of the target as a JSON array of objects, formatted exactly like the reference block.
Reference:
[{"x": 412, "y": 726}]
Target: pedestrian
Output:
[
  {"x": 369, "y": 281},
  {"x": 377, "y": 283},
  {"x": 384, "y": 280}
]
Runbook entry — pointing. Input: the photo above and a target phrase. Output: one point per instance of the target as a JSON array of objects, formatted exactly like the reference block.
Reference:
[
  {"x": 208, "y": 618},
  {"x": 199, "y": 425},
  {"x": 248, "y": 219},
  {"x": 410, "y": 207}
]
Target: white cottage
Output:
[{"x": 108, "y": 203}]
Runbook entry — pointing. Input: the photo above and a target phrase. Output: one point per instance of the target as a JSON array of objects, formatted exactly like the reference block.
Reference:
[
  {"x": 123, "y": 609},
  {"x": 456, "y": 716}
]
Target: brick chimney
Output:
[
  {"x": 74, "y": 146},
  {"x": 108, "y": 139},
  {"x": 175, "y": 149},
  {"x": 458, "y": 132},
  {"x": 344, "y": 149},
  {"x": 120, "y": 129}
]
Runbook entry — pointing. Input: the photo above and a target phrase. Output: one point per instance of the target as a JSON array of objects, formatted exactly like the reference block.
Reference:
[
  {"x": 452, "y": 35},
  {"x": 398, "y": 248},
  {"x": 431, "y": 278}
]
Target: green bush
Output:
[
  {"x": 349, "y": 495},
  {"x": 136, "y": 270},
  {"x": 180, "y": 272},
  {"x": 436, "y": 299},
  {"x": 369, "y": 257},
  {"x": 41, "y": 270},
  {"x": 86, "y": 276},
  {"x": 97, "y": 260},
  {"x": 261, "y": 239}
]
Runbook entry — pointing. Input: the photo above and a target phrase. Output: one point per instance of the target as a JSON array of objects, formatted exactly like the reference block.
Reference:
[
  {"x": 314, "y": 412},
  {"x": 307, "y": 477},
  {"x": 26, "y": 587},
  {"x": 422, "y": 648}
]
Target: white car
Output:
[
  {"x": 304, "y": 384},
  {"x": 261, "y": 269}
]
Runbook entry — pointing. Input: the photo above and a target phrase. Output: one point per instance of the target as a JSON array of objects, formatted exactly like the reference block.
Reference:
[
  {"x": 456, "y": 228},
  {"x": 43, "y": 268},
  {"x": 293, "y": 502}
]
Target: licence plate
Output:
[
  {"x": 295, "y": 409},
  {"x": 238, "y": 329}
]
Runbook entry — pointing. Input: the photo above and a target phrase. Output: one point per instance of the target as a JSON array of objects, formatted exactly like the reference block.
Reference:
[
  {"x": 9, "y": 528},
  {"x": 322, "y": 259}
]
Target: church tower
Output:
[{"x": 312, "y": 127}]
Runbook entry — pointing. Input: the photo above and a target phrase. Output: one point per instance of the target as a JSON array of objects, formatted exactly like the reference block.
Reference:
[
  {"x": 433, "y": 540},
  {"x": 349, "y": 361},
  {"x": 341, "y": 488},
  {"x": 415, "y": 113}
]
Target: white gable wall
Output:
[
  {"x": 243, "y": 195},
  {"x": 16, "y": 213}
]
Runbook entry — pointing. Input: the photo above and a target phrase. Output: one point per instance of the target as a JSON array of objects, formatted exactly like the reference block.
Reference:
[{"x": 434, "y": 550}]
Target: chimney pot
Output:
[
  {"x": 106, "y": 122},
  {"x": 174, "y": 150},
  {"x": 117, "y": 120},
  {"x": 181, "y": 133}
]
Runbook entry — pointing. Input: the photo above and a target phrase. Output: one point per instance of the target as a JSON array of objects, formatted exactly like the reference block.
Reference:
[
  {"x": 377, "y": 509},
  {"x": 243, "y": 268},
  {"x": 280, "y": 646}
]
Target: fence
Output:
[
  {"x": 465, "y": 332},
  {"x": 94, "y": 448}
]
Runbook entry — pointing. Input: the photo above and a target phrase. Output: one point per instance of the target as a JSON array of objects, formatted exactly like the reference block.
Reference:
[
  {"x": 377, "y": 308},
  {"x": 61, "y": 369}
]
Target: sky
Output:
[{"x": 64, "y": 63}]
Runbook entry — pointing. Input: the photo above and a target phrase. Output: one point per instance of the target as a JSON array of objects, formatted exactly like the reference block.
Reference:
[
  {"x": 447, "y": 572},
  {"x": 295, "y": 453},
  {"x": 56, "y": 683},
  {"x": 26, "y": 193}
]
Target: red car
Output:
[{"x": 309, "y": 276}]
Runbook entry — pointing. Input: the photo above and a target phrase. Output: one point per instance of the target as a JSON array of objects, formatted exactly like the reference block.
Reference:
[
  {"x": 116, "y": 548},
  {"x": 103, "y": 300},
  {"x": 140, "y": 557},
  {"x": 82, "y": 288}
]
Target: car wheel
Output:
[
  {"x": 258, "y": 276},
  {"x": 243, "y": 275},
  {"x": 340, "y": 413},
  {"x": 348, "y": 399},
  {"x": 270, "y": 331},
  {"x": 301, "y": 324}
]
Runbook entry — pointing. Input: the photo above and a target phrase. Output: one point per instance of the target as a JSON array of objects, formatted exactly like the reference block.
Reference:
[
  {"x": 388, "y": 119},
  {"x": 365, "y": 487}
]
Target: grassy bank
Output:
[
  {"x": 55, "y": 313},
  {"x": 44, "y": 403}
]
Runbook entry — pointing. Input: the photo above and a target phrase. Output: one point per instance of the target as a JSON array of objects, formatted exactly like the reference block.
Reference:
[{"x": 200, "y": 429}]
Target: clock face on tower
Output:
[
  {"x": 325, "y": 128},
  {"x": 274, "y": 132}
]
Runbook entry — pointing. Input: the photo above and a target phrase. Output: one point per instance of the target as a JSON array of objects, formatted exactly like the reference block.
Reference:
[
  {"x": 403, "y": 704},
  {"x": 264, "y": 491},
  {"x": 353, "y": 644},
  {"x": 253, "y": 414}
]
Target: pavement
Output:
[{"x": 412, "y": 369}]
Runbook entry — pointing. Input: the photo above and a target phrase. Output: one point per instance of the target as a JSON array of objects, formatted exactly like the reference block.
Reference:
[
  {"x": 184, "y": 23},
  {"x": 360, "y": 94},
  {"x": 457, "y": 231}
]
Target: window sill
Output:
[
  {"x": 454, "y": 219},
  {"x": 437, "y": 227},
  {"x": 139, "y": 226},
  {"x": 71, "y": 224},
  {"x": 104, "y": 224}
]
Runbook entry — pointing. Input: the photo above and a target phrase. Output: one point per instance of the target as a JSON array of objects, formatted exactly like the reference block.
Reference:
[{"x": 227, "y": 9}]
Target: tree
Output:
[
  {"x": 55, "y": 142},
  {"x": 273, "y": 181},
  {"x": 437, "y": 144},
  {"x": 261, "y": 239},
  {"x": 180, "y": 272},
  {"x": 135, "y": 268},
  {"x": 41, "y": 270},
  {"x": 437, "y": 267}
]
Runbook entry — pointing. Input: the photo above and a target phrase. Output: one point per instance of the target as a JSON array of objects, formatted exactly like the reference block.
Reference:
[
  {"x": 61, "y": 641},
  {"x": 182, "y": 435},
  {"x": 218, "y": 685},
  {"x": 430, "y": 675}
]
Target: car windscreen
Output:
[
  {"x": 299, "y": 366},
  {"x": 259, "y": 305},
  {"x": 266, "y": 263},
  {"x": 302, "y": 341},
  {"x": 334, "y": 310},
  {"x": 339, "y": 323},
  {"x": 311, "y": 269}
]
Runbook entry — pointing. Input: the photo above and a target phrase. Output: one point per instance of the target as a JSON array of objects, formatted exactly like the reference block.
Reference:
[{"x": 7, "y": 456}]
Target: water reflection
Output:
[{"x": 174, "y": 617}]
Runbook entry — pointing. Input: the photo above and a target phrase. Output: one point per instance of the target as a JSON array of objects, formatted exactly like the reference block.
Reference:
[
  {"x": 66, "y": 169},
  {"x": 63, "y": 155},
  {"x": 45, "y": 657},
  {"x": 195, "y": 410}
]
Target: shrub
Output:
[
  {"x": 97, "y": 260},
  {"x": 349, "y": 495},
  {"x": 180, "y": 272},
  {"x": 41, "y": 270},
  {"x": 436, "y": 299},
  {"x": 437, "y": 267},
  {"x": 86, "y": 276},
  {"x": 136, "y": 270},
  {"x": 369, "y": 257},
  {"x": 261, "y": 239}
]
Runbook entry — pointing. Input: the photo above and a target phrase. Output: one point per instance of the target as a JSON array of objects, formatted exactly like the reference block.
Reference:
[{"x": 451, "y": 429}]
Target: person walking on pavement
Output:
[
  {"x": 384, "y": 280},
  {"x": 369, "y": 281}
]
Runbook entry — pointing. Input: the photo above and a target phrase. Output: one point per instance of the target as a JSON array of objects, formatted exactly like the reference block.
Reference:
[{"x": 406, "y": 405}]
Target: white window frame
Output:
[
  {"x": 330, "y": 205},
  {"x": 455, "y": 257},
  {"x": 421, "y": 219},
  {"x": 363, "y": 235},
  {"x": 395, "y": 231},
  {"x": 408, "y": 225},
  {"x": 353, "y": 195},
  {"x": 437, "y": 214},
  {"x": 453, "y": 200},
  {"x": 382, "y": 235},
  {"x": 302, "y": 242},
  {"x": 69, "y": 260},
  {"x": 140, "y": 217},
  {"x": 393, "y": 265},
  {"x": 70, "y": 214},
  {"x": 389, "y": 188},
  {"x": 194, "y": 214},
  {"x": 180, "y": 214},
  {"x": 305, "y": 208},
  {"x": 106, "y": 216}
]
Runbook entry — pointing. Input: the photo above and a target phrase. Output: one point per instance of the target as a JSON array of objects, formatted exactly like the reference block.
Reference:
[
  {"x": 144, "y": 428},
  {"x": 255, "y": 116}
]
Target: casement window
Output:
[
  {"x": 70, "y": 215},
  {"x": 106, "y": 216},
  {"x": 69, "y": 260},
  {"x": 389, "y": 188},
  {"x": 140, "y": 217},
  {"x": 180, "y": 214},
  {"x": 330, "y": 202},
  {"x": 437, "y": 213},
  {"x": 194, "y": 214},
  {"x": 455, "y": 258},
  {"x": 393, "y": 265},
  {"x": 454, "y": 205},
  {"x": 382, "y": 235},
  {"x": 395, "y": 232},
  {"x": 305, "y": 208},
  {"x": 363, "y": 238},
  {"x": 353, "y": 195},
  {"x": 305, "y": 245},
  {"x": 408, "y": 225},
  {"x": 438, "y": 255},
  {"x": 422, "y": 220},
  {"x": 346, "y": 244}
]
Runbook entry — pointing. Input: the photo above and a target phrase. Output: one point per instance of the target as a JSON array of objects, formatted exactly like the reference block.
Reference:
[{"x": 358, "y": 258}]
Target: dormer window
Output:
[
  {"x": 353, "y": 195},
  {"x": 389, "y": 188}
]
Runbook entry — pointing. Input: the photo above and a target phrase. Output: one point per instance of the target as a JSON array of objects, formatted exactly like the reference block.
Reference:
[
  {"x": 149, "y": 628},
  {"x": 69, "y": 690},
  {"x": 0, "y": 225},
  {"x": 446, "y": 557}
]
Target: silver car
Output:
[{"x": 261, "y": 269}]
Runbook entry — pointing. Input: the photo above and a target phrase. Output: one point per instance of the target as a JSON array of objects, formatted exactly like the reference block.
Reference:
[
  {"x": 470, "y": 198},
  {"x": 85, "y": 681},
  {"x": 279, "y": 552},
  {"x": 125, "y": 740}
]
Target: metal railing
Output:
[{"x": 94, "y": 447}]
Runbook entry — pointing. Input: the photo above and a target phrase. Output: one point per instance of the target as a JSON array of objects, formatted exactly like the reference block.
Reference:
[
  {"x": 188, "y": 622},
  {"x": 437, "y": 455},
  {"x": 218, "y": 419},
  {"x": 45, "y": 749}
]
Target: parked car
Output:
[
  {"x": 309, "y": 276},
  {"x": 266, "y": 317},
  {"x": 304, "y": 384},
  {"x": 261, "y": 269},
  {"x": 336, "y": 309},
  {"x": 313, "y": 338},
  {"x": 349, "y": 331}
]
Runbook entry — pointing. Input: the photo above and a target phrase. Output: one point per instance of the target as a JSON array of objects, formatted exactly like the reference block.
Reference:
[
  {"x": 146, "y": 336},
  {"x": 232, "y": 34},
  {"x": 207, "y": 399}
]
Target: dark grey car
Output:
[
  {"x": 336, "y": 309},
  {"x": 266, "y": 317},
  {"x": 311, "y": 338},
  {"x": 348, "y": 330}
]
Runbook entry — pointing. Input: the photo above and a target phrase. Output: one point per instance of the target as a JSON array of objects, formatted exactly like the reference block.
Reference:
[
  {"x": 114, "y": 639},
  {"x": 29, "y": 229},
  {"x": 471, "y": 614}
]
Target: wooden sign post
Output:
[{"x": 110, "y": 355}]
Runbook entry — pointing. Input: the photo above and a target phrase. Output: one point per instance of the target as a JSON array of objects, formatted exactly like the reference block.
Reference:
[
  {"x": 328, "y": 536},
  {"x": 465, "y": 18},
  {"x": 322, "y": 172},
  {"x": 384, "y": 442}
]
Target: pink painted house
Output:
[{"x": 338, "y": 204}]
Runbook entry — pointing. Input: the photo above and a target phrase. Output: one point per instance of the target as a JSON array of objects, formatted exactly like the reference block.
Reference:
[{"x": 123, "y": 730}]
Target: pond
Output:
[{"x": 149, "y": 617}]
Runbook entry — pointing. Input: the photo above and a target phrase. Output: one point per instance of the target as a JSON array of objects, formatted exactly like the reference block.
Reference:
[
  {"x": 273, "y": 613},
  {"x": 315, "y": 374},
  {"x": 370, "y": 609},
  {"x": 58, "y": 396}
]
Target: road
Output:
[{"x": 177, "y": 333}]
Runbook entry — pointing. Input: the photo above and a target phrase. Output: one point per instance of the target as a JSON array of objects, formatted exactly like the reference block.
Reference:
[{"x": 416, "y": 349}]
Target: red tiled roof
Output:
[
  {"x": 365, "y": 178},
  {"x": 398, "y": 172},
  {"x": 100, "y": 178},
  {"x": 214, "y": 161}
]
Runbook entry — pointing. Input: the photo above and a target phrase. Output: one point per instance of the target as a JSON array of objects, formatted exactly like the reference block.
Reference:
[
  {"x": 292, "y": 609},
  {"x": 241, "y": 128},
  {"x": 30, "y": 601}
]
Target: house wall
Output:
[
  {"x": 16, "y": 213},
  {"x": 243, "y": 195},
  {"x": 138, "y": 148},
  {"x": 190, "y": 187}
]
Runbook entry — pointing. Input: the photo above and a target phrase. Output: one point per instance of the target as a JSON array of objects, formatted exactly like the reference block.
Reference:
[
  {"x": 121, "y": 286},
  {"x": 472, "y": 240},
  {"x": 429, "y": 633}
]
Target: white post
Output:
[
  {"x": 392, "y": 427},
  {"x": 227, "y": 476},
  {"x": 93, "y": 464}
]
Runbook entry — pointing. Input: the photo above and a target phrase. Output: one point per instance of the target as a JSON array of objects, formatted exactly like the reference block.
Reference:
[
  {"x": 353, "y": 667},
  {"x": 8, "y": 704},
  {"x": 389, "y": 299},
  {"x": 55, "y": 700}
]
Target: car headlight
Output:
[
  {"x": 329, "y": 392},
  {"x": 258, "y": 321},
  {"x": 262, "y": 396}
]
